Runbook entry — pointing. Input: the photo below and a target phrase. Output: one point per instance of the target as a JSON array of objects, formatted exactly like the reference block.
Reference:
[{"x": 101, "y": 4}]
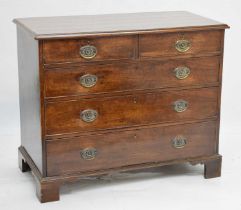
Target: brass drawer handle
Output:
[
  {"x": 89, "y": 115},
  {"x": 182, "y": 72},
  {"x": 88, "y": 80},
  {"x": 179, "y": 142},
  {"x": 183, "y": 45},
  {"x": 88, "y": 153},
  {"x": 180, "y": 105},
  {"x": 88, "y": 51}
]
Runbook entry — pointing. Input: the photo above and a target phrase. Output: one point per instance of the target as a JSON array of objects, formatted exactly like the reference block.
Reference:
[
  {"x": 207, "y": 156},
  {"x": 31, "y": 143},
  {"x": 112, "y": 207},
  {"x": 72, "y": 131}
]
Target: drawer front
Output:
[
  {"x": 94, "y": 79},
  {"x": 174, "y": 44},
  {"x": 125, "y": 148},
  {"x": 89, "y": 49},
  {"x": 124, "y": 111}
]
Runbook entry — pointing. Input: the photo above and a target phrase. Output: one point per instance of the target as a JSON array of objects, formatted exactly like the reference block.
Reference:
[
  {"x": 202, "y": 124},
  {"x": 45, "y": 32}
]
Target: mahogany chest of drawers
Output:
[{"x": 112, "y": 93}]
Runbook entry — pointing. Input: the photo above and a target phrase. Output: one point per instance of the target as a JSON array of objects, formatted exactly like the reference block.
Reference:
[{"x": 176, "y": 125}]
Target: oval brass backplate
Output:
[
  {"x": 183, "y": 45},
  {"x": 88, "y": 80},
  {"x": 180, "y": 105},
  {"x": 182, "y": 72},
  {"x": 88, "y": 51},
  {"x": 89, "y": 115},
  {"x": 179, "y": 142},
  {"x": 88, "y": 153}
]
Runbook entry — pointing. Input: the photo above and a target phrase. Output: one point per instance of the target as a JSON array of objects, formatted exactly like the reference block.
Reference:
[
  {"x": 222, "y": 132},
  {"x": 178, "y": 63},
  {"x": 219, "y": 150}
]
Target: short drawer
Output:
[
  {"x": 117, "y": 149},
  {"x": 89, "y": 49},
  {"x": 186, "y": 43},
  {"x": 116, "y": 77},
  {"x": 130, "y": 110}
]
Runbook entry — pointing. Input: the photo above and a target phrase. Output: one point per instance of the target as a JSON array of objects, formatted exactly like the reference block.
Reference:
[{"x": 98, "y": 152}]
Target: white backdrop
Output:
[{"x": 227, "y": 11}]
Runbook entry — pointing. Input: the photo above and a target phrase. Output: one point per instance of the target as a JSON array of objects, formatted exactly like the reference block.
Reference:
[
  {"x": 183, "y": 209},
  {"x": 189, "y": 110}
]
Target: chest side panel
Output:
[{"x": 29, "y": 96}]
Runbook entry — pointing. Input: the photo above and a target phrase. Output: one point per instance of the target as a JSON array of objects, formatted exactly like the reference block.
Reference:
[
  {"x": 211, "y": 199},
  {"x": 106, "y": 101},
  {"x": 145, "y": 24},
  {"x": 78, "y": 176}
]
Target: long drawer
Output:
[
  {"x": 85, "y": 115},
  {"x": 121, "y": 76},
  {"x": 112, "y": 150}
]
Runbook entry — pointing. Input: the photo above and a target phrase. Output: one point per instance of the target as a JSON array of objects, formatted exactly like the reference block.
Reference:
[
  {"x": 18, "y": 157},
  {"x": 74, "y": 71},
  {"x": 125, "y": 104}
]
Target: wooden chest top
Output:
[{"x": 75, "y": 26}]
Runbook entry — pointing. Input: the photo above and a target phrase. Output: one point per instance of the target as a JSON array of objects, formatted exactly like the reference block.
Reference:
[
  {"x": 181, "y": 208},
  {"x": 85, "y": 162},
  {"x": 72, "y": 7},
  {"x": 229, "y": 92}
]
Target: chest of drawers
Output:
[{"x": 113, "y": 93}]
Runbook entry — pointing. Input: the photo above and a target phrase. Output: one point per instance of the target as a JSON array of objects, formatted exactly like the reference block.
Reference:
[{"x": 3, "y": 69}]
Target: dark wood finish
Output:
[
  {"x": 119, "y": 77},
  {"x": 212, "y": 168},
  {"x": 29, "y": 96},
  {"x": 134, "y": 95},
  {"x": 106, "y": 131},
  {"x": 59, "y": 180},
  {"x": 76, "y": 176},
  {"x": 47, "y": 191},
  {"x": 108, "y": 48},
  {"x": 130, "y": 147},
  {"x": 109, "y": 24},
  {"x": 22, "y": 164},
  {"x": 158, "y": 45},
  {"x": 130, "y": 110}
]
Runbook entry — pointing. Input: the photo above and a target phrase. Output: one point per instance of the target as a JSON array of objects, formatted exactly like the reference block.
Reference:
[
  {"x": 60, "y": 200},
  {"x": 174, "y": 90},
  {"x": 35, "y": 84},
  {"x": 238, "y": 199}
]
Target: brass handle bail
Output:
[
  {"x": 88, "y": 153},
  {"x": 179, "y": 142},
  {"x": 180, "y": 105},
  {"x": 182, "y": 72},
  {"x": 88, "y": 80},
  {"x": 183, "y": 45},
  {"x": 89, "y": 115},
  {"x": 88, "y": 51}
]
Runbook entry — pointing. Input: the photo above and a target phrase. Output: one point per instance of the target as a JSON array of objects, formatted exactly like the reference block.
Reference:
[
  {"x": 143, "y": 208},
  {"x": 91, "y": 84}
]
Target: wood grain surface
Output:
[
  {"x": 158, "y": 45},
  {"x": 29, "y": 96},
  {"x": 117, "y": 47},
  {"x": 84, "y": 25},
  {"x": 130, "y": 110},
  {"x": 131, "y": 76},
  {"x": 130, "y": 147}
]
